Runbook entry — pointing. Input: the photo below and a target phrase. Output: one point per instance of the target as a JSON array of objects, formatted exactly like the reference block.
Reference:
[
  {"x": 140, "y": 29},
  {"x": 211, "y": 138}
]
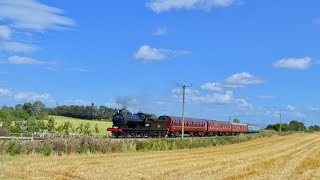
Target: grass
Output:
[
  {"x": 4, "y": 159},
  {"x": 102, "y": 125},
  {"x": 294, "y": 156},
  {"x": 98, "y": 145}
]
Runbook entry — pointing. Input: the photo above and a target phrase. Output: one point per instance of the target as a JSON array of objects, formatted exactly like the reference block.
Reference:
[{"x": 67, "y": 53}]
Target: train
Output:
[{"x": 143, "y": 125}]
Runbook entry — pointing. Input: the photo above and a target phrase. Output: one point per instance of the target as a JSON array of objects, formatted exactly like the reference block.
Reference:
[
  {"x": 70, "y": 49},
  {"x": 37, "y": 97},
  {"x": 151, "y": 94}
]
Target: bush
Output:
[
  {"x": 13, "y": 148},
  {"x": 4, "y": 131},
  {"x": 89, "y": 144}
]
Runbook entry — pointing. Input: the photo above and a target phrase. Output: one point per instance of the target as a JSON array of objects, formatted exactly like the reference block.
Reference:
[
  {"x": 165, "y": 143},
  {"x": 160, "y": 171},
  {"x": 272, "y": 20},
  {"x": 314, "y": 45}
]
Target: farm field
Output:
[
  {"x": 295, "y": 156},
  {"x": 102, "y": 125}
]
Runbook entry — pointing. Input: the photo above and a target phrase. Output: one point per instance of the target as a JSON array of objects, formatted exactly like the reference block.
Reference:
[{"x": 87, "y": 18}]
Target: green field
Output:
[{"x": 102, "y": 125}]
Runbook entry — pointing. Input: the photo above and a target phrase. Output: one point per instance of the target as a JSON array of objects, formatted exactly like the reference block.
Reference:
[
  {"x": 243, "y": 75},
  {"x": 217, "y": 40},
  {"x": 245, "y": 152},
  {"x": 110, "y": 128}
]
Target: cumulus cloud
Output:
[
  {"x": 214, "y": 86},
  {"x": 242, "y": 79},
  {"x": 223, "y": 98},
  {"x": 78, "y": 69},
  {"x": 266, "y": 97},
  {"x": 24, "y": 60},
  {"x": 5, "y": 33},
  {"x": 33, "y": 15},
  {"x": 290, "y": 108},
  {"x": 160, "y": 31},
  {"x": 159, "y": 6},
  {"x": 216, "y": 98},
  {"x": 316, "y": 21},
  {"x": 12, "y": 46},
  {"x": 294, "y": 63},
  {"x": 234, "y": 81},
  {"x": 5, "y": 92},
  {"x": 313, "y": 109},
  {"x": 32, "y": 96},
  {"x": 148, "y": 54}
]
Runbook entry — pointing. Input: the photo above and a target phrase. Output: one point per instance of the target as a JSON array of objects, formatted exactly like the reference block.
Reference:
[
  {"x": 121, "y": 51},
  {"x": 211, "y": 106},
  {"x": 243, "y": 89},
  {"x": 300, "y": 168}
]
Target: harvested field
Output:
[{"x": 295, "y": 156}]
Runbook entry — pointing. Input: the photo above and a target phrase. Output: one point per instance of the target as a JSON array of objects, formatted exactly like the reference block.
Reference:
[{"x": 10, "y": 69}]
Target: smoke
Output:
[{"x": 127, "y": 102}]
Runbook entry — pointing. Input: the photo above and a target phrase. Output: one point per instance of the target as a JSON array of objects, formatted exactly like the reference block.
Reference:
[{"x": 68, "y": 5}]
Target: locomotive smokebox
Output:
[{"x": 127, "y": 120}]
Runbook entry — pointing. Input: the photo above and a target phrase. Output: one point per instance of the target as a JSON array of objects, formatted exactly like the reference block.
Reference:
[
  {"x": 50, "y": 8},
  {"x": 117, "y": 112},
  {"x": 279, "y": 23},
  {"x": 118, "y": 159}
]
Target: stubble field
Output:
[{"x": 295, "y": 156}]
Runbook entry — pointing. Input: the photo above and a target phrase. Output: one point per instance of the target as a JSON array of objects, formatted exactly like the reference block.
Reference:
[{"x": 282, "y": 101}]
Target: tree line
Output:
[
  {"x": 34, "y": 117},
  {"x": 85, "y": 112},
  {"x": 294, "y": 125}
]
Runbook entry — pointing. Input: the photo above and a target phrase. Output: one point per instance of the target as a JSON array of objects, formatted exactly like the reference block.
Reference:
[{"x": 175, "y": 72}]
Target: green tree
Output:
[
  {"x": 51, "y": 124},
  {"x": 6, "y": 118},
  {"x": 27, "y": 107},
  {"x": 96, "y": 129},
  {"x": 314, "y": 128},
  {"x": 86, "y": 129},
  {"x": 66, "y": 127},
  {"x": 19, "y": 107},
  {"x": 59, "y": 129},
  {"x": 21, "y": 115},
  {"x": 80, "y": 128},
  {"x": 296, "y": 126},
  {"x": 236, "y": 120}
]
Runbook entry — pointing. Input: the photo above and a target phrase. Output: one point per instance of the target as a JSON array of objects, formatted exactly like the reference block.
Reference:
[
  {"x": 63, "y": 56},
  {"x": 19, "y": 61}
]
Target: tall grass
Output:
[{"x": 89, "y": 144}]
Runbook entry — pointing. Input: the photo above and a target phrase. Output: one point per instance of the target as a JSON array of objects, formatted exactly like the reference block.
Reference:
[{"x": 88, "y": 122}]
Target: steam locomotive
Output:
[{"x": 143, "y": 125}]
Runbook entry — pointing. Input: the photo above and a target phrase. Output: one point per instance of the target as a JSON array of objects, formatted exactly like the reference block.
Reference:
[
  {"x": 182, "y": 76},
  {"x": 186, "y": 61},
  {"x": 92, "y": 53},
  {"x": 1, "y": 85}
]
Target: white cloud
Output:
[
  {"x": 266, "y": 97},
  {"x": 160, "y": 31},
  {"x": 242, "y": 79},
  {"x": 294, "y": 63},
  {"x": 12, "y": 46},
  {"x": 5, "y": 33},
  {"x": 290, "y": 108},
  {"x": 212, "y": 86},
  {"x": 5, "y": 92},
  {"x": 234, "y": 81},
  {"x": 159, "y": 6},
  {"x": 194, "y": 96},
  {"x": 216, "y": 98},
  {"x": 23, "y": 60},
  {"x": 77, "y": 69},
  {"x": 313, "y": 109},
  {"x": 316, "y": 21},
  {"x": 31, "y": 14},
  {"x": 32, "y": 96},
  {"x": 148, "y": 54}
]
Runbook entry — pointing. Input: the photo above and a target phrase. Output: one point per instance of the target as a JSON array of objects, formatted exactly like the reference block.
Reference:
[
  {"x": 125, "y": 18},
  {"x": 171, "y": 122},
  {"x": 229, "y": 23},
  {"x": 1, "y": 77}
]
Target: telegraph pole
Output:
[
  {"x": 280, "y": 121},
  {"x": 183, "y": 99}
]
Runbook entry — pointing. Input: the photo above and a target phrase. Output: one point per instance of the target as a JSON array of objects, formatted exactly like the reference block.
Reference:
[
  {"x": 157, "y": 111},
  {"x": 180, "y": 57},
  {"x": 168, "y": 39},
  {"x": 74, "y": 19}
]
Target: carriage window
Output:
[{"x": 180, "y": 123}]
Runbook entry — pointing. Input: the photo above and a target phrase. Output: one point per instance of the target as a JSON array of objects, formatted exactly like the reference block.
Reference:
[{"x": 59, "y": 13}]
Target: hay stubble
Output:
[{"x": 295, "y": 156}]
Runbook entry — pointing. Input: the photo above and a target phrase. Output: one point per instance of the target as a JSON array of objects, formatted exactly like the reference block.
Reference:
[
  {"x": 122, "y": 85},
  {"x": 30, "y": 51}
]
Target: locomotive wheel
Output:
[
  {"x": 142, "y": 135},
  {"x": 125, "y": 135}
]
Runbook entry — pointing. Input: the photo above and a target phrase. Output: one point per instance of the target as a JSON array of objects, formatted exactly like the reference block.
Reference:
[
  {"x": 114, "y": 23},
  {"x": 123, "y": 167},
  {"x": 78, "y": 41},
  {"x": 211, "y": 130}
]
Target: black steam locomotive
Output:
[{"x": 140, "y": 124}]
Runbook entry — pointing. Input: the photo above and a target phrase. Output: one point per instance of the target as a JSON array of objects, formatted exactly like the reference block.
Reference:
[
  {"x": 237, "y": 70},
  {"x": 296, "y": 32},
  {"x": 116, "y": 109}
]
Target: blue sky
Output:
[{"x": 247, "y": 59}]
